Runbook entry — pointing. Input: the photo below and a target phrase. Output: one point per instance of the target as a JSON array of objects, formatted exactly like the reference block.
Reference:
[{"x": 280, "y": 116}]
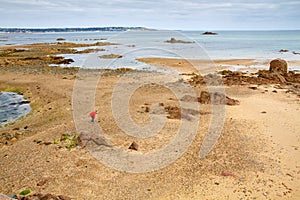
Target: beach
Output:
[{"x": 257, "y": 155}]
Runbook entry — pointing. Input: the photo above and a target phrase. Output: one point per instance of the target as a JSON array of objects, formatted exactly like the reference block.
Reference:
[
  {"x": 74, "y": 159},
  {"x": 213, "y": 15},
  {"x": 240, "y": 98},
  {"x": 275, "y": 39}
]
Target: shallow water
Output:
[
  {"x": 12, "y": 107},
  {"x": 258, "y": 45}
]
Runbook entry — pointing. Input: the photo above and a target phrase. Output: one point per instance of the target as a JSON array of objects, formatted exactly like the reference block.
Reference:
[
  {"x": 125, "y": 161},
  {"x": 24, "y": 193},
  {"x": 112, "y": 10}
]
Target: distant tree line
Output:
[{"x": 41, "y": 30}]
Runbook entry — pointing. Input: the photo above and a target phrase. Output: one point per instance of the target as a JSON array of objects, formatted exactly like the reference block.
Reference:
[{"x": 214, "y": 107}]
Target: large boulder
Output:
[{"x": 278, "y": 66}]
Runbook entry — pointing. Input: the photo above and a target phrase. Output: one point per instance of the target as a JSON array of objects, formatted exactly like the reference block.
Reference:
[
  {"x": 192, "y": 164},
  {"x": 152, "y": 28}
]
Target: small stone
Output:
[
  {"x": 265, "y": 194},
  {"x": 47, "y": 143},
  {"x": 62, "y": 197},
  {"x": 274, "y": 91},
  {"x": 41, "y": 183},
  {"x": 134, "y": 146},
  {"x": 147, "y": 109},
  {"x": 253, "y": 87},
  {"x": 263, "y": 112},
  {"x": 217, "y": 183}
]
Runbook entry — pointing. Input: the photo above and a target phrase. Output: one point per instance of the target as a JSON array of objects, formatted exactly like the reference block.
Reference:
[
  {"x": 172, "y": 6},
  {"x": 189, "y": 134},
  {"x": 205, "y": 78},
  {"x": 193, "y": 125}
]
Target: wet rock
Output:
[
  {"x": 134, "y": 146},
  {"x": 65, "y": 61},
  {"x": 278, "y": 66}
]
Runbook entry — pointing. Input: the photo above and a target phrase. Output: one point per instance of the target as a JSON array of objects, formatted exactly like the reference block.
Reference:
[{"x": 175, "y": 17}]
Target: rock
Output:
[
  {"x": 134, "y": 146},
  {"x": 253, "y": 87},
  {"x": 8, "y": 197},
  {"x": 41, "y": 183},
  {"x": 209, "y": 33},
  {"x": 278, "y": 66},
  {"x": 62, "y": 197},
  {"x": 204, "y": 97},
  {"x": 49, "y": 197},
  {"x": 173, "y": 40},
  {"x": 60, "y": 39},
  {"x": 65, "y": 61},
  {"x": 147, "y": 109},
  {"x": 216, "y": 99},
  {"x": 283, "y": 50},
  {"x": 189, "y": 98}
]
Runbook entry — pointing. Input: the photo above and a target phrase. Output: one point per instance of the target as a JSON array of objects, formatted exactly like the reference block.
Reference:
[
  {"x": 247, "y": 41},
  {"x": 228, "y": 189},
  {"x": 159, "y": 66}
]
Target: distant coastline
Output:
[{"x": 44, "y": 30}]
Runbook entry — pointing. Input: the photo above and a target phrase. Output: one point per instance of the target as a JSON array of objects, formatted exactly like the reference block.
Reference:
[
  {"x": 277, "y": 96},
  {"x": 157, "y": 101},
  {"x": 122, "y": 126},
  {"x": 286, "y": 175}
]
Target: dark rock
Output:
[
  {"x": 147, "y": 109},
  {"x": 65, "y": 61},
  {"x": 62, "y": 197},
  {"x": 134, "y": 146},
  {"x": 209, "y": 33},
  {"x": 253, "y": 87},
  {"x": 296, "y": 53},
  {"x": 60, "y": 39},
  {"x": 24, "y": 102},
  {"x": 278, "y": 66},
  {"x": 283, "y": 50}
]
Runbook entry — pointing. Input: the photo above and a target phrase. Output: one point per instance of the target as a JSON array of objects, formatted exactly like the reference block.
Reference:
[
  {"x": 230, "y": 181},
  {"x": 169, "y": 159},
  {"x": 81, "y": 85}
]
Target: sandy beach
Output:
[{"x": 256, "y": 157}]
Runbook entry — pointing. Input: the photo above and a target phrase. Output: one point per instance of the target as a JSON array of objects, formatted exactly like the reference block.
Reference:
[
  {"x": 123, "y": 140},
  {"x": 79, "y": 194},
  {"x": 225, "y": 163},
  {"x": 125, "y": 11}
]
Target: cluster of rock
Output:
[
  {"x": 215, "y": 98},
  {"x": 277, "y": 74}
]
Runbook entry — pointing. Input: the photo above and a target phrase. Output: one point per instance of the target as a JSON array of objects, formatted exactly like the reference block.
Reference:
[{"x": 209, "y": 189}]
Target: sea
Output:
[
  {"x": 262, "y": 46},
  {"x": 12, "y": 107}
]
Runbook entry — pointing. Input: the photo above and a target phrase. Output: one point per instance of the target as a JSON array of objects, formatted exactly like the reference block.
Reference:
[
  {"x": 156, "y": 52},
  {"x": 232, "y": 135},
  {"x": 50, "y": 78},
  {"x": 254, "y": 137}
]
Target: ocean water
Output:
[
  {"x": 259, "y": 45},
  {"x": 12, "y": 107}
]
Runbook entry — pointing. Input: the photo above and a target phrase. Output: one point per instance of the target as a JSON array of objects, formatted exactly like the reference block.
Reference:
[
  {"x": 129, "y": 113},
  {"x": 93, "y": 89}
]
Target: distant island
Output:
[
  {"x": 42, "y": 30},
  {"x": 209, "y": 33}
]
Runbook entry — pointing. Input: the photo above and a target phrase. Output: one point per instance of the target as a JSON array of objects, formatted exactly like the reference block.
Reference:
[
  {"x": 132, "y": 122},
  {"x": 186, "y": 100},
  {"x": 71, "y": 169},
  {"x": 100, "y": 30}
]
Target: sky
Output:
[{"x": 158, "y": 14}]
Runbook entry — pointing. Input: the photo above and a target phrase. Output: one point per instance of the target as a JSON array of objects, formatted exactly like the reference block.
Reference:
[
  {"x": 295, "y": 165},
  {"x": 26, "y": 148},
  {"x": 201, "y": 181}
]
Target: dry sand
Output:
[{"x": 256, "y": 157}]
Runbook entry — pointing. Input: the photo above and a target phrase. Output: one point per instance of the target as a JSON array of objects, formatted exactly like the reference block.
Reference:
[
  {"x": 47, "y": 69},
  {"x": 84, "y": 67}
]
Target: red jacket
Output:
[{"x": 93, "y": 114}]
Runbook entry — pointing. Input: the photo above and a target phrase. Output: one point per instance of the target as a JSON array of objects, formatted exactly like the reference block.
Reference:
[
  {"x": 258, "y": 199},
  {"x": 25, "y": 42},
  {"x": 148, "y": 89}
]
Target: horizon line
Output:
[{"x": 159, "y": 29}]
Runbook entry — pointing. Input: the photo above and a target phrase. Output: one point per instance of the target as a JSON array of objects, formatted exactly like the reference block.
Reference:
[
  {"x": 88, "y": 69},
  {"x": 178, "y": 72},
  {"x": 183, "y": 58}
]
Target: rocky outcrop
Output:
[
  {"x": 278, "y": 66},
  {"x": 173, "y": 40},
  {"x": 216, "y": 98},
  {"x": 209, "y": 33}
]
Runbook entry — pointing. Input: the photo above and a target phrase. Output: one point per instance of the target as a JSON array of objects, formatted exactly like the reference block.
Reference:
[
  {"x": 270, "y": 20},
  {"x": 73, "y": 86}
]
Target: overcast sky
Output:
[{"x": 160, "y": 14}]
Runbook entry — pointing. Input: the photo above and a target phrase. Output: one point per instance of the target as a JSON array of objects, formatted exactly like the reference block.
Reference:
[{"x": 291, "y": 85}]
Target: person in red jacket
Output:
[{"x": 93, "y": 115}]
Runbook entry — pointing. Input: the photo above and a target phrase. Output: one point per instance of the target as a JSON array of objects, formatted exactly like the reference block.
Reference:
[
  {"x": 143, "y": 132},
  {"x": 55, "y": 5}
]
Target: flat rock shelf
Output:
[{"x": 12, "y": 107}]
